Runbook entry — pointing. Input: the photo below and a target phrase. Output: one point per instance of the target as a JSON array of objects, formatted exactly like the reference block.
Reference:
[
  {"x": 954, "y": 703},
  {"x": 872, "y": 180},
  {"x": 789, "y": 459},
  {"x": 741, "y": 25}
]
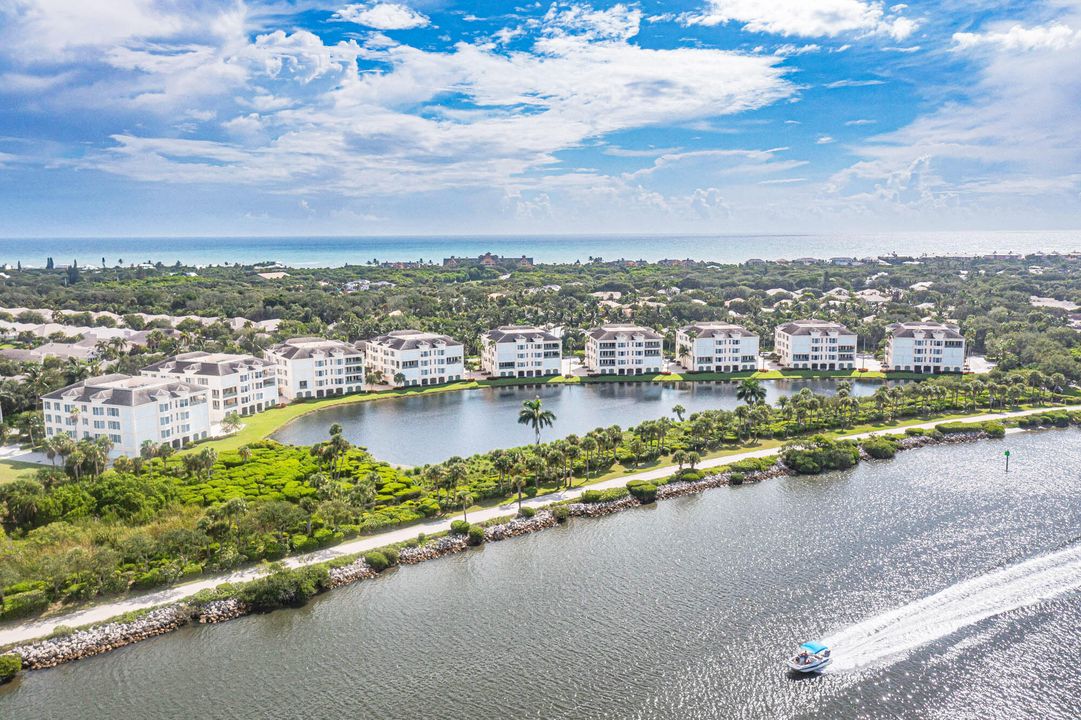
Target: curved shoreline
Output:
[{"x": 106, "y": 636}]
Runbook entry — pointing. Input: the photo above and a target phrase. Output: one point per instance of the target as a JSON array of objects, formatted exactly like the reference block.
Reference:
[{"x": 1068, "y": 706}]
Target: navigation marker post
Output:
[{"x": 1007, "y": 454}]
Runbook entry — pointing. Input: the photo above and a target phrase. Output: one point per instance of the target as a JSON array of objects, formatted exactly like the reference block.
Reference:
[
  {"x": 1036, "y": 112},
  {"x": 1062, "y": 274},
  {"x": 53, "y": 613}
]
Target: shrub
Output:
[
  {"x": 377, "y": 560},
  {"x": 688, "y": 476},
  {"x": 644, "y": 492},
  {"x": 459, "y": 527},
  {"x": 10, "y": 665},
  {"x": 603, "y": 496},
  {"x": 820, "y": 454},
  {"x": 288, "y": 588},
  {"x": 994, "y": 429},
  {"x": 736, "y": 478},
  {"x": 916, "y": 432},
  {"x": 879, "y": 448},
  {"x": 391, "y": 554},
  {"x": 526, "y": 512},
  {"x": 476, "y": 535},
  {"x": 561, "y": 513}
]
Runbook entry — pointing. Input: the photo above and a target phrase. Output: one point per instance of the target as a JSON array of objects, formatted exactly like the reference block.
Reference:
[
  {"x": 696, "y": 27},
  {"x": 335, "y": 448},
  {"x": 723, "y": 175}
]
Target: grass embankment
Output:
[
  {"x": 12, "y": 470},
  {"x": 264, "y": 424}
]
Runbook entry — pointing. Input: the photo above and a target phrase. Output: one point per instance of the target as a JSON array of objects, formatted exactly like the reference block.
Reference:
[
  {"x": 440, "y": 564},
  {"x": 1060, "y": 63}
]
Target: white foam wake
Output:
[{"x": 891, "y": 634}]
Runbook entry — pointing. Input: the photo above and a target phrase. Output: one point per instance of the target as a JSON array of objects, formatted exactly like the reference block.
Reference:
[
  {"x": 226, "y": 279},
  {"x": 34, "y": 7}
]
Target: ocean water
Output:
[{"x": 335, "y": 251}]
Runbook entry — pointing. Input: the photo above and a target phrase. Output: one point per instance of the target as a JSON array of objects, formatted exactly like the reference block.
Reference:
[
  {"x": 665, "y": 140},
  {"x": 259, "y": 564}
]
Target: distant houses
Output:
[
  {"x": 520, "y": 351},
  {"x": 489, "y": 260}
]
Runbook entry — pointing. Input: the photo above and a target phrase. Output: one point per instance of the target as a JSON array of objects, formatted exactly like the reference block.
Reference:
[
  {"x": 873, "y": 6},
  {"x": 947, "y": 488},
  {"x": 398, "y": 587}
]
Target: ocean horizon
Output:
[{"x": 332, "y": 251}]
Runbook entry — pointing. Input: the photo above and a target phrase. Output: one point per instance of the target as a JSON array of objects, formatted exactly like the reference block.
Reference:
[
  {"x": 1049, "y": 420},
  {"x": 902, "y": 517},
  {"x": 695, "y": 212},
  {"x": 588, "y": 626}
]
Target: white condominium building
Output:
[
  {"x": 238, "y": 383},
  {"x": 925, "y": 347},
  {"x": 412, "y": 357},
  {"x": 520, "y": 351},
  {"x": 311, "y": 367},
  {"x": 623, "y": 350},
  {"x": 815, "y": 345},
  {"x": 129, "y": 411},
  {"x": 716, "y": 347}
]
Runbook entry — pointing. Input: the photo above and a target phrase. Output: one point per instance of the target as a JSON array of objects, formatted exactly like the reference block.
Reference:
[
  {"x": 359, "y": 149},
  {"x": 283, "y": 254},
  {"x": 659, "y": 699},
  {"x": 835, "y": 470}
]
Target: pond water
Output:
[
  {"x": 686, "y": 609},
  {"x": 429, "y": 428}
]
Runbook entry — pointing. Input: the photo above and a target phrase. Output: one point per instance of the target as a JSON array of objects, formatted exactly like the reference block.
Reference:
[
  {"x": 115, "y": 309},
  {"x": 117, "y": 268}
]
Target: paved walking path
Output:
[{"x": 98, "y": 613}]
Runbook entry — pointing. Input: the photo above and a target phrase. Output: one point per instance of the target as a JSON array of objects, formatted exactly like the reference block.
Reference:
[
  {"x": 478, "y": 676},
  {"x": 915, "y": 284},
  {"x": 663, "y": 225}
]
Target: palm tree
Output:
[
  {"x": 751, "y": 392},
  {"x": 464, "y": 499},
  {"x": 680, "y": 457},
  {"x": 589, "y": 446},
  {"x": 534, "y": 415},
  {"x": 399, "y": 378},
  {"x": 518, "y": 473},
  {"x": 678, "y": 411},
  {"x": 693, "y": 459}
]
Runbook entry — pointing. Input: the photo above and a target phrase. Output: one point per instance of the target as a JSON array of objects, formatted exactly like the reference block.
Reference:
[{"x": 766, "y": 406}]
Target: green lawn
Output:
[{"x": 11, "y": 470}]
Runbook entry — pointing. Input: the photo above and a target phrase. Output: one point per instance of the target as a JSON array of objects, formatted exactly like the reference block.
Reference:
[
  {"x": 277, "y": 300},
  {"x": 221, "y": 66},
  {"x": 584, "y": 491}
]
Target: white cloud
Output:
[
  {"x": 807, "y": 18},
  {"x": 853, "y": 83},
  {"x": 860, "y": 121},
  {"x": 383, "y": 16},
  {"x": 824, "y": 140},
  {"x": 1055, "y": 36}
]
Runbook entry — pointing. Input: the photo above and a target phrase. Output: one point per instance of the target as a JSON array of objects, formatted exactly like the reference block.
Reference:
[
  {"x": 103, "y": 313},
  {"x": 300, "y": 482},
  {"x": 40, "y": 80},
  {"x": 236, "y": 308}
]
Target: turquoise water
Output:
[{"x": 333, "y": 251}]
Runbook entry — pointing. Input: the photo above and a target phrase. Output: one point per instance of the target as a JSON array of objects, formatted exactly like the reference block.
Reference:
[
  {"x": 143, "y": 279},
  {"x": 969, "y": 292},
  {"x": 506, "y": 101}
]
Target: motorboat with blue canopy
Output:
[{"x": 810, "y": 657}]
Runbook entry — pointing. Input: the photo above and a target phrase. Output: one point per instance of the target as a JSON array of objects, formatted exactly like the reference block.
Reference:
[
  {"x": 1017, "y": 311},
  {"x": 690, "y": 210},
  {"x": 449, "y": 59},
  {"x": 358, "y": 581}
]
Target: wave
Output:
[{"x": 888, "y": 636}]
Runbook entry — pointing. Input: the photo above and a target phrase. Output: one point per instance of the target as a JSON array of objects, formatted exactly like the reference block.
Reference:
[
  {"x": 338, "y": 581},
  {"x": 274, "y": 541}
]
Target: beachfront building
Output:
[
  {"x": 129, "y": 411},
  {"x": 924, "y": 347},
  {"x": 815, "y": 345},
  {"x": 240, "y": 384},
  {"x": 413, "y": 357},
  {"x": 520, "y": 351},
  {"x": 313, "y": 367},
  {"x": 716, "y": 347},
  {"x": 623, "y": 350}
]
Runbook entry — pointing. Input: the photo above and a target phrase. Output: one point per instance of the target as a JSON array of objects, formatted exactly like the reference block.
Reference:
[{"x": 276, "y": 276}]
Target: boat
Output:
[{"x": 810, "y": 657}]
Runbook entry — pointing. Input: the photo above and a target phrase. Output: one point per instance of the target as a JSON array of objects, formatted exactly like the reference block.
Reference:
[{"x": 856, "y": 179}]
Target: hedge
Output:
[
  {"x": 10, "y": 665},
  {"x": 643, "y": 491}
]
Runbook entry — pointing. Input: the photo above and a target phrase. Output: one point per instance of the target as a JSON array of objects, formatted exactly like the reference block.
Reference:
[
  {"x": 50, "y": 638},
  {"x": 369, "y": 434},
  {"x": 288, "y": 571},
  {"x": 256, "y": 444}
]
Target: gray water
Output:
[
  {"x": 429, "y": 428},
  {"x": 331, "y": 251},
  {"x": 682, "y": 610}
]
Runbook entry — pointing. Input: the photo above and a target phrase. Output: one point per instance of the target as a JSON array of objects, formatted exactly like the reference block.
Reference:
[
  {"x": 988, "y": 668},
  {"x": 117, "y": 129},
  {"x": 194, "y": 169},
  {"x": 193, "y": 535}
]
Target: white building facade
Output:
[
  {"x": 623, "y": 350},
  {"x": 520, "y": 351},
  {"x": 716, "y": 347},
  {"x": 311, "y": 367},
  {"x": 925, "y": 347},
  {"x": 241, "y": 384},
  {"x": 129, "y": 411},
  {"x": 413, "y": 357},
  {"x": 815, "y": 345}
]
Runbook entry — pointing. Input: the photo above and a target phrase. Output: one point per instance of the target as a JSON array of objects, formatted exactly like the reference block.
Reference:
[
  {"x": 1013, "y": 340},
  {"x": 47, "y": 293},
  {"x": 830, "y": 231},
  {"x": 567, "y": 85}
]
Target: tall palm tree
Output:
[
  {"x": 678, "y": 411},
  {"x": 751, "y": 392},
  {"x": 534, "y": 415},
  {"x": 464, "y": 499}
]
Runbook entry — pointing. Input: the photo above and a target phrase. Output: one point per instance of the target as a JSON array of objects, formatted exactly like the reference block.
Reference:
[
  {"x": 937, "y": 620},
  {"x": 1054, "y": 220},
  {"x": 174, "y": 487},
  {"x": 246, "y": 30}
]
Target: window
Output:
[{"x": 99, "y": 411}]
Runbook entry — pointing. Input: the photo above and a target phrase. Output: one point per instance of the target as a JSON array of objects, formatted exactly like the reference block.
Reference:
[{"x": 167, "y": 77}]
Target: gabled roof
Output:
[
  {"x": 303, "y": 348},
  {"x": 412, "y": 339},
  {"x": 204, "y": 363},
  {"x": 611, "y": 332},
  {"x": 811, "y": 327},
  {"x": 716, "y": 329},
  {"x": 914, "y": 329},
  {"x": 119, "y": 389},
  {"x": 511, "y": 333}
]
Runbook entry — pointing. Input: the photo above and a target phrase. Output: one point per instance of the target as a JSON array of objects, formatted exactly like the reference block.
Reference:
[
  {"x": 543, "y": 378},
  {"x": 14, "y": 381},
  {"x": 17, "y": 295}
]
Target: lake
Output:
[
  {"x": 682, "y": 610},
  {"x": 428, "y": 428}
]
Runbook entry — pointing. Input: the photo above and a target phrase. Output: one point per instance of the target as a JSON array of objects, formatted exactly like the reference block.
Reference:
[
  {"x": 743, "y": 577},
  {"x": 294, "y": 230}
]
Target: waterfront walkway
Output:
[{"x": 31, "y": 630}]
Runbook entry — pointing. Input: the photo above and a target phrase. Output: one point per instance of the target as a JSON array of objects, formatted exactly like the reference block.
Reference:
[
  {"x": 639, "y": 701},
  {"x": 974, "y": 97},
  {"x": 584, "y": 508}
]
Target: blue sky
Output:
[{"x": 278, "y": 117}]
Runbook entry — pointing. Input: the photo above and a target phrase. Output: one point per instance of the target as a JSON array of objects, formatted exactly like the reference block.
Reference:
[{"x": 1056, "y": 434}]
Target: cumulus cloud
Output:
[
  {"x": 808, "y": 18},
  {"x": 383, "y": 16},
  {"x": 1055, "y": 36}
]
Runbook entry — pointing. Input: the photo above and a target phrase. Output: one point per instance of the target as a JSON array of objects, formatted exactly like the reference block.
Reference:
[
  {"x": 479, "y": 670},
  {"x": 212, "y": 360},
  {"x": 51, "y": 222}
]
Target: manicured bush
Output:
[
  {"x": 644, "y": 492},
  {"x": 994, "y": 429},
  {"x": 688, "y": 476},
  {"x": 459, "y": 527},
  {"x": 391, "y": 554},
  {"x": 820, "y": 454},
  {"x": 561, "y": 513},
  {"x": 736, "y": 478},
  {"x": 916, "y": 432},
  {"x": 476, "y": 535},
  {"x": 879, "y": 448},
  {"x": 603, "y": 496},
  {"x": 10, "y": 665},
  {"x": 288, "y": 588},
  {"x": 526, "y": 512},
  {"x": 377, "y": 560}
]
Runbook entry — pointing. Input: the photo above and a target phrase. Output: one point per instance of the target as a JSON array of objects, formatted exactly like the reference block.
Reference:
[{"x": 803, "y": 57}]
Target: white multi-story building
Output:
[
  {"x": 925, "y": 347},
  {"x": 413, "y": 357},
  {"x": 716, "y": 347},
  {"x": 311, "y": 367},
  {"x": 815, "y": 345},
  {"x": 623, "y": 350},
  {"x": 240, "y": 384},
  {"x": 520, "y": 351},
  {"x": 129, "y": 411}
]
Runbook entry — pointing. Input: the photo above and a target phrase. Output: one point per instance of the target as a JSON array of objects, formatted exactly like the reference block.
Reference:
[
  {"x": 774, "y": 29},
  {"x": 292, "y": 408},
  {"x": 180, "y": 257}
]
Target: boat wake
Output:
[{"x": 885, "y": 637}]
